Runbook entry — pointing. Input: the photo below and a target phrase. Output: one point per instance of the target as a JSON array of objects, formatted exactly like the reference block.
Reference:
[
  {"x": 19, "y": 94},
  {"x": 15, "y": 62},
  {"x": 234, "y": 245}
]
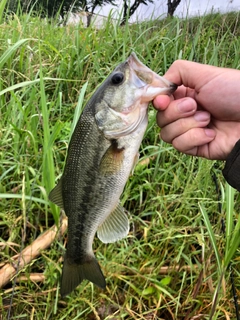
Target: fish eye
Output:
[{"x": 117, "y": 78}]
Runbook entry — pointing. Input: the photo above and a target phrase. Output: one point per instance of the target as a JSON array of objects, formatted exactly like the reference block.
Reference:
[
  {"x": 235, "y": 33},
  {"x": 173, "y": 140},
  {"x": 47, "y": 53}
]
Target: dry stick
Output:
[
  {"x": 42, "y": 242},
  {"x": 39, "y": 277},
  {"x": 34, "y": 277},
  {"x": 29, "y": 253}
]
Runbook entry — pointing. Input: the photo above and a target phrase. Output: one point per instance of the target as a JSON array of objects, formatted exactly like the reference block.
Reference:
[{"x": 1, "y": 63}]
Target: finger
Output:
[
  {"x": 201, "y": 151},
  {"x": 212, "y": 87},
  {"x": 162, "y": 102},
  {"x": 177, "y": 128},
  {"x": 194, "y": 141},
  {"x": 183, "y": 91},
  {"x": 190, "y": 74},
  {"x": 177, "y": 109}
]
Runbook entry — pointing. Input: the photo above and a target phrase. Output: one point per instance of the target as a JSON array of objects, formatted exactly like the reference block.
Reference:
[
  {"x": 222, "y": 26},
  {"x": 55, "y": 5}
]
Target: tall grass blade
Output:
[
  {"x": 11, "y": 50},
  {"x": 29, "y": 83},
  {"x": 234, "y": 244},
  {"x": 211, "y": 235},
  {"x": 216, "y": 296},
  {"x": 19, "y": 196},
  {"x": 79, "y": 107},
  {"x": 229, "y": 216},
  {"x": 48, "y": 162},
  {"x": 232, "y": 232},
  {"x": 2, "y": 7}
]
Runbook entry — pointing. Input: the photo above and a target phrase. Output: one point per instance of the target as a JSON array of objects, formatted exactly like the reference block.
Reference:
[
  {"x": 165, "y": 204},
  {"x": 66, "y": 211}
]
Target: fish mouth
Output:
[
  {"x": 173, "y": 87},
  {"x": 153, "y": 83}
]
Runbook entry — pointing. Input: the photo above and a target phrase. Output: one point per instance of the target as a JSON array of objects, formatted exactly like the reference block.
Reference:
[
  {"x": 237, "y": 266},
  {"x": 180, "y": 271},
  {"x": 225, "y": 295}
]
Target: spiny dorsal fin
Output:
[
  {"x": 115, "y": 227},
  {"x": 55, "y": 195}
]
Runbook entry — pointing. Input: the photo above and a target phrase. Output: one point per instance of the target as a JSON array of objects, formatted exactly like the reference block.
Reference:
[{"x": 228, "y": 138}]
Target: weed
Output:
[{"x": 175, "y": 256}]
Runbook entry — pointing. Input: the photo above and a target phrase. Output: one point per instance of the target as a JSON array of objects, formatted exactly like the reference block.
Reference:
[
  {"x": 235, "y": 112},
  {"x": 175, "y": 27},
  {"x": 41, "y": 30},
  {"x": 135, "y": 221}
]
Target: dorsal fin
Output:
[{"x": 55, "y": 195}]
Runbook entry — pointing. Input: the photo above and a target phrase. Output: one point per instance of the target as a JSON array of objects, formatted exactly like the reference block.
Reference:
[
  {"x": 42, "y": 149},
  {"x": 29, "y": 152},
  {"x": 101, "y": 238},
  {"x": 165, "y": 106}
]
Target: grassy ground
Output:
[{"x": 172, "y": 262}]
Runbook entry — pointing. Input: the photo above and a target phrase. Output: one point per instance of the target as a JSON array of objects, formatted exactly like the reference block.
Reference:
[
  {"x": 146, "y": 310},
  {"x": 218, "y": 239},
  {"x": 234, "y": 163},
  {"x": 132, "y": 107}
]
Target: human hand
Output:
[{"x": 203, "y": 116}]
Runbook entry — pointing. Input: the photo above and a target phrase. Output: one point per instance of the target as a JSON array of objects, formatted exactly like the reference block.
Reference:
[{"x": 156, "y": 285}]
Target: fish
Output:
[{"x": 102, "y": 153}]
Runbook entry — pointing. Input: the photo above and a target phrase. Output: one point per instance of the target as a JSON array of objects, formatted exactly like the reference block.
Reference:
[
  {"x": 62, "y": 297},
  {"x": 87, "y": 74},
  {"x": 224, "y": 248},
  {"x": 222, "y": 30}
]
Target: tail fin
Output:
[{"x": 73, "y": 274}]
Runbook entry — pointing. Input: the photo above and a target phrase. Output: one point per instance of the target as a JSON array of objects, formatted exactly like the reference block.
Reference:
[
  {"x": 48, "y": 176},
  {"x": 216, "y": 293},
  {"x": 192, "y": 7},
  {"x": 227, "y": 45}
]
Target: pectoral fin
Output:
[
  {"x": 112, "y": 160},
  {"x": 115, "y": 227},
  {"x": 55, "y": 195},
  {"x": 136, "y": 158}
]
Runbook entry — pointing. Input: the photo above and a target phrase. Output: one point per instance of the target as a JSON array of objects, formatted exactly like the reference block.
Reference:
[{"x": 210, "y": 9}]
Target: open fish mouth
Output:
[
  {"x": 145, "y": 85},
  {"x": 153, "y": 83}
]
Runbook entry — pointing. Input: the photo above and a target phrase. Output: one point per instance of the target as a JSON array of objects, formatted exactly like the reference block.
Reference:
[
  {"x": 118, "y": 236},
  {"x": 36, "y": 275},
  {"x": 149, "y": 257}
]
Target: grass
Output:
[{"x": 176, "y": 255}]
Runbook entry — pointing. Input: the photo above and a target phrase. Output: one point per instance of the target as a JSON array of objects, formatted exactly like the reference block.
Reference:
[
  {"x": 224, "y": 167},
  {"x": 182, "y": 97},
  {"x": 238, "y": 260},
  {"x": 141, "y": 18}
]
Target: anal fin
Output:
[{"x": 115, "y": 227}]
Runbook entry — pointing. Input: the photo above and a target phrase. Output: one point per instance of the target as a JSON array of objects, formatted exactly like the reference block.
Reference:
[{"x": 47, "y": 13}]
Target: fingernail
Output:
[
  {"x": 185, "y": 105},
  {"x": 201, "y": 116},
  {"x": 210, "y": 133}
]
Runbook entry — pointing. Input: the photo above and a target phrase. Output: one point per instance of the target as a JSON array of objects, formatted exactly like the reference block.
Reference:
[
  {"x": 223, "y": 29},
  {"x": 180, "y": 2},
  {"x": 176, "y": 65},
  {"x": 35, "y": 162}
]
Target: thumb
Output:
[{"x": 161, "y": 102}]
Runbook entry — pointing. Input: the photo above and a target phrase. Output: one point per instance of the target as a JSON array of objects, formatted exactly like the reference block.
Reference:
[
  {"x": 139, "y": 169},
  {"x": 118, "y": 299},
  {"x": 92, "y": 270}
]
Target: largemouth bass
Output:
[{"x": 101, "y": 155}]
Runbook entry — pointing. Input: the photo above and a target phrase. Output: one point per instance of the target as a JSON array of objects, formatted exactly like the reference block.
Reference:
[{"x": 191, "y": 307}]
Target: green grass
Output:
[{"x": 47, "y": 73}]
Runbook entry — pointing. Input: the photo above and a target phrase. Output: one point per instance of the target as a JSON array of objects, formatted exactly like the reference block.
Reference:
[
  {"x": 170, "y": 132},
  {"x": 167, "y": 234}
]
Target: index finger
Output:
[
  {"x": 161, "y": 102},
  {"x": 190, "y": 74}
]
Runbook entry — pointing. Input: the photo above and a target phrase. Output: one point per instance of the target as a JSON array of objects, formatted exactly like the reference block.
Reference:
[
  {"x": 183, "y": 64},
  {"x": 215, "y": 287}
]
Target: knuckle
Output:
[{"x": 164, "y": 136}]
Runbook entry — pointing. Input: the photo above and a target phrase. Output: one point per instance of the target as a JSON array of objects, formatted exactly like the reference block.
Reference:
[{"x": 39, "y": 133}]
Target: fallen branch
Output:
[
  {"x": 149, "y": 270},
  {"x": 40, "y": 277},
  {"x": 9, "y": 270},
  {"x": 34, "y": 277}
]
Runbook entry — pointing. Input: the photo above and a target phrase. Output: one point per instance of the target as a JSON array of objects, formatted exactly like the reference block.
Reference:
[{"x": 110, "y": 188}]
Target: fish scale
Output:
[{"x": 101, "y": 155}]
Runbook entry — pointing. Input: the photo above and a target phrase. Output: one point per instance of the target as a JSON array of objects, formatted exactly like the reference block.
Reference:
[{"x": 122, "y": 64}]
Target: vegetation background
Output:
[{"x": 184, "y": 234}]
